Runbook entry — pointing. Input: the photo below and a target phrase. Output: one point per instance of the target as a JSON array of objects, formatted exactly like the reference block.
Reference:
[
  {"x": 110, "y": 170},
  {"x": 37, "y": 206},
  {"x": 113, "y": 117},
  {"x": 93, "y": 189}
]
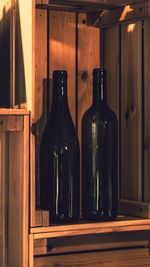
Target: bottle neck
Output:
[
  {"x": 60, "y": 93},
  {"x": 99, "y": 90}
]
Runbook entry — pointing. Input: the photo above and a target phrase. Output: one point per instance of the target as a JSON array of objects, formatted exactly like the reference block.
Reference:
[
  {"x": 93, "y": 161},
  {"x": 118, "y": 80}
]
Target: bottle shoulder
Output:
[{"x": 99, "y": 113}]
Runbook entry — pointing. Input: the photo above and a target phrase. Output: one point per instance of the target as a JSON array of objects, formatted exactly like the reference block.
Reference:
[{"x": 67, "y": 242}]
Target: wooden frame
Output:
[{"x": 26, "y": 93}]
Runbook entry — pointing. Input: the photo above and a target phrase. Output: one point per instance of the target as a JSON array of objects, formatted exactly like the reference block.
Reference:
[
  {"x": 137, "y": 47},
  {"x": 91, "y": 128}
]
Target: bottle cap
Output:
[{"x": 60, "y": 74}]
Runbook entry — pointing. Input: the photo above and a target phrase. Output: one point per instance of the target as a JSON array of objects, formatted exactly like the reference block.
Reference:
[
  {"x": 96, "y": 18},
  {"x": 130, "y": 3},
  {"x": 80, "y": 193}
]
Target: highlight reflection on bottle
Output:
[
  {"x": 100, "y": 155},
  {"x": 60, "y": 158}
]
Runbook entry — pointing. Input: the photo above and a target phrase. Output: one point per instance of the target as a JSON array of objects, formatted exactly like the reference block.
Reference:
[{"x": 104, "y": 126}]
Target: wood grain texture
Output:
[
  {"x": 131, "y": 108},
  {"x": 5, "y": 111},
  {"x": 3, "y": 201},
  {"x": 62, "y": 51},
  {"x": 122, "y": 258},
  {"x": 111, "y": 63},
  {"x": 18, "y": 197},
  {"x": 40, "y": 110},
  {"x": 88, "y": 59},
  {"x": 123, "y": 224},
  {"x": 84, "y": 244},
  {"x": 11, "y": 123},
  {"x": 31, "y": 255},
  {"x": 146, "y": 111}
]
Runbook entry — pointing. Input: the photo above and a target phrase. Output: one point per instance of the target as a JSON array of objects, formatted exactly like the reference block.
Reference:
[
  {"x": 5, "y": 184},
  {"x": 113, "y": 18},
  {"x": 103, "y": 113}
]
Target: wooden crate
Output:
[{"x": 42, "y": 36}]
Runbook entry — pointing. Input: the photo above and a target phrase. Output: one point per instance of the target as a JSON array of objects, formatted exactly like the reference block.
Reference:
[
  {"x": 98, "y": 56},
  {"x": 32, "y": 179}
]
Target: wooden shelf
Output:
[
  {"x": 77, "y": 6},
  {"x": 122, "y": 224}
]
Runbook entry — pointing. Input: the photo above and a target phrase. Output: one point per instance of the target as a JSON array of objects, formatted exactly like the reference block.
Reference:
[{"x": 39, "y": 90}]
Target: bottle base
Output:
[{"x": 100, "y": 217}]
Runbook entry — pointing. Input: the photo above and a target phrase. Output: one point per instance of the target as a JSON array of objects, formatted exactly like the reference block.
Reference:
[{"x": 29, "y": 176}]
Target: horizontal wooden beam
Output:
[
  {"x": 91, "y": 2},
  {"x": 136, "y": 208},
  {"x": 121, "y": 15},
  {"x": 9, "y": 111},
  {"x": 122, "y": 224},
  {"x": 75, "y": 6}
]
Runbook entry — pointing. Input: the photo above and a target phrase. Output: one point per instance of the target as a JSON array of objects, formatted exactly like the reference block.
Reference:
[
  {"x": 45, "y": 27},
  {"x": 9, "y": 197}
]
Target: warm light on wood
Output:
[
  {"x": 131, "y": 27},
  {"x": 125, "y": 12}
]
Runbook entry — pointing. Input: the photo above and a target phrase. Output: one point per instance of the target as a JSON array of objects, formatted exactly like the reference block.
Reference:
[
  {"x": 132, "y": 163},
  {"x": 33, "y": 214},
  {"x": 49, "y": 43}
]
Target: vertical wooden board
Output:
[
  {"x": 39, "y": 107},
  {"x": 111, "y": 63},
  {"x": 3, "y": 206},
  {"x": 62, "y": 50},
  {"x": 88, "y": 59},
  {"x": 24, "y": 56},
  {"x": 18, "y": 197},
  {"x": 131, "y": 109},
  {"x": 31, "y": 253},
  {"x": 147, "y": 111}
]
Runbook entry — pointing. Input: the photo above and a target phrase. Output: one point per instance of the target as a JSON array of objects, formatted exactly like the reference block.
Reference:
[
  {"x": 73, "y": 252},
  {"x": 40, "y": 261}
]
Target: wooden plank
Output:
[
  {"x": 5, "y": 45},
  {"x": 90, "y": 2},
  {"x": 88, "y": 59},
  {"x": 82, "y": 244},
  {"x": 119, "y": 258},
  {"x": 111, "y": 63},
  {"x": 136, "y": 208},
  {"x": 40, "y": 111},
  {"x": 146, "y": 111},
  {"x": 11, "y": 123},
  {"x": 4, "y": 111},
  {"x": 18, "y": 197},
  {"x": 119, "y": 226},
  {"x": 31, "y": 255},
  {"x": 62, "y": 51},
  {"x": 3, "y": 202},
  {"x": 24, "y": 78},
  {"x": 131, "y": 109}
]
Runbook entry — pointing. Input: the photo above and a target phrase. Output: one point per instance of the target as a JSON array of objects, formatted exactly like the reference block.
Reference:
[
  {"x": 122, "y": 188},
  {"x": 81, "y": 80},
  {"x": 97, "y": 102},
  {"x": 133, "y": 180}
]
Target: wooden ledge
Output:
[
  {"x": 9, "y": 111},
  {"x": 122, "y": 224}
]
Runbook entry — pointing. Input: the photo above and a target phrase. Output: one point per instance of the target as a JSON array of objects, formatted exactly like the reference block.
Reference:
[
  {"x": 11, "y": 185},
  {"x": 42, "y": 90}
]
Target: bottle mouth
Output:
[
  {"x": 60, "y": 74},
  {"x": 99, "y": 73}
]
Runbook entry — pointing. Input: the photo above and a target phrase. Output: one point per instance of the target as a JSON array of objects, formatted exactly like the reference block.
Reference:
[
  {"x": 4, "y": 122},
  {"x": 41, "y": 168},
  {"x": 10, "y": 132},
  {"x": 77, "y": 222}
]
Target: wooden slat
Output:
[
  {"x": 11, "y": 123},
  {"x": 119, "y": 258},
  {"x": 62, "y": 50},
  {"x": 6, "y": 111},
  {"x": 31, "y": 255},
  {"x": 24, "y": 78},
  {"x": 131, "y": 176},
  {"x": 78, "y": 244},
  {"x": 136, "y": 208},
  {"x": 91, "y": 2},
  {"x": 18, "y": 197},
  {"x": 88, "y": 59},
  {"x": 3, "y": 202},
  {"x": 146, "y": 111},
  {"x": 111, "y": 63},
  {"x": 40, "y": 111},
  {"x": 119, "y": 226}
]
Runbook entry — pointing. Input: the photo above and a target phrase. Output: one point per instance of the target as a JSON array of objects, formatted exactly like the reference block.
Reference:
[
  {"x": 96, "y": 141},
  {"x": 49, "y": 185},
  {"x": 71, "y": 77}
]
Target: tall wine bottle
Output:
[
  {"x": 59, "y": 158},
  {"x": 100, "y": 155}
]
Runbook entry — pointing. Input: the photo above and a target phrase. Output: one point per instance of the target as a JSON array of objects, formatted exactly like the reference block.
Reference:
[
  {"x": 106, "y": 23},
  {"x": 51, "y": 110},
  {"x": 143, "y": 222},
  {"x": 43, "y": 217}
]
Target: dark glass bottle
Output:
[
  {"x": 60, "y": 159},
  {"x": 100, "y": 155}
]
